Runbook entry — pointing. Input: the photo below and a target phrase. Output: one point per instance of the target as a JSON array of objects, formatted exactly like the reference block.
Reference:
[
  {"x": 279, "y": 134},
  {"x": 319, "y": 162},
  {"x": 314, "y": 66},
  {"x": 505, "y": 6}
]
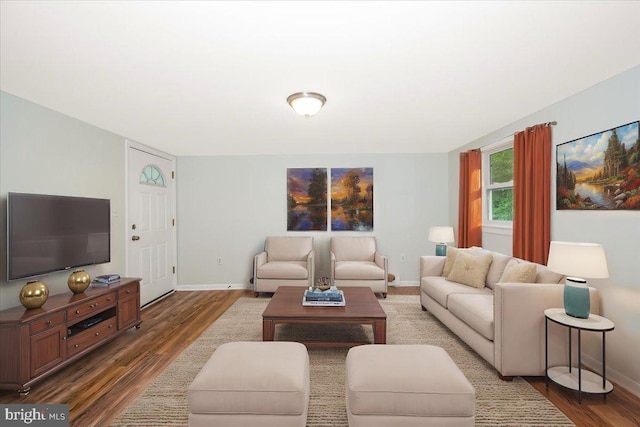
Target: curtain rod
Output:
[{"x": 484, "y": 147}]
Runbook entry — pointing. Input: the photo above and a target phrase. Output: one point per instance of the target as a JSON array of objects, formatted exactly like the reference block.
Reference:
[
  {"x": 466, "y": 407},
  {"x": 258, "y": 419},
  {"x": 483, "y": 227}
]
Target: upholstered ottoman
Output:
[
  {"x": 252, "y": 384},
  {"x": 406, "y": 385}
]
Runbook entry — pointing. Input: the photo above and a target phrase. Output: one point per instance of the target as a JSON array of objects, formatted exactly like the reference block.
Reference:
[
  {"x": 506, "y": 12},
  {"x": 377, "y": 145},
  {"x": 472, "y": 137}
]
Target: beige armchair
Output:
[
  {"x": 285, "y": 261},
  {"x": 355, "y": 261}
]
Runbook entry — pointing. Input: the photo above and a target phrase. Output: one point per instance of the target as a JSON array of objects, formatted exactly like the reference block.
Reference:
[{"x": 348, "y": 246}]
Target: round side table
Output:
[{"x": 577, "y": 378}]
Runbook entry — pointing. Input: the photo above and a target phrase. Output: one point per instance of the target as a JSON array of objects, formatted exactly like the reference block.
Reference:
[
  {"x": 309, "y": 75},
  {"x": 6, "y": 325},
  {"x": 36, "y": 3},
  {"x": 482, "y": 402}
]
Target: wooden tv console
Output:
[{"x": 38, "y": 342}]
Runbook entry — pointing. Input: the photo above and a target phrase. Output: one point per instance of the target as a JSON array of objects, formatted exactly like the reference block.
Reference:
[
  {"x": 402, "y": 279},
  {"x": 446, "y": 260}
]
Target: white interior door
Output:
[{"x": 151, "y": 223}]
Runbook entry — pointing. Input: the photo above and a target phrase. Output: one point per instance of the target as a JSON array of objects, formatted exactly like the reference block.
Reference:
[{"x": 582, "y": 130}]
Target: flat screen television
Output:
[{"x": 48, "y": 233}]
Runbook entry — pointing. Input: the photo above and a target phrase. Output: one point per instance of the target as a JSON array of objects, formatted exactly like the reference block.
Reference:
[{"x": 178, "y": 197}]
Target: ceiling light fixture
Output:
[{"x": 306, "y": 103}]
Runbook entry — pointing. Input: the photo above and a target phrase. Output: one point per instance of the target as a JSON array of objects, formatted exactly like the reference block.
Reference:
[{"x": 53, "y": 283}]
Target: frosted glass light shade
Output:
[
  {"x": 441, "y": 234},
  {"x": 577, "y": 259},
  {"x": 306, "y": 103}
]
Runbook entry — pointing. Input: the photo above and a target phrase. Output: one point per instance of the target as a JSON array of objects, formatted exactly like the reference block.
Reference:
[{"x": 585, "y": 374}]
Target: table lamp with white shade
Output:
[
  {"x": 577, "y": 260},
  {"x": 441, "y": 236}
]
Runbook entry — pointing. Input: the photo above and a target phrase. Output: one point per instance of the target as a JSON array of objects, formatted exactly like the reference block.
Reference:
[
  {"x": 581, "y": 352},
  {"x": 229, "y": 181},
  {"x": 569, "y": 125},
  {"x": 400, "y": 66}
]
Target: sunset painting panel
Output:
[
  {"x": 600, "y": 171},
  {"x": 352, "y": 199},
  {"x": 306, "y": 199}
]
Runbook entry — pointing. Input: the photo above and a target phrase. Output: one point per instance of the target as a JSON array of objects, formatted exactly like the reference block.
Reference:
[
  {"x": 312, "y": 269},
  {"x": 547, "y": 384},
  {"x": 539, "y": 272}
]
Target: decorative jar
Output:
[
  {"x": 34, "y": 294},
  {"x": 78, "y": 281}
]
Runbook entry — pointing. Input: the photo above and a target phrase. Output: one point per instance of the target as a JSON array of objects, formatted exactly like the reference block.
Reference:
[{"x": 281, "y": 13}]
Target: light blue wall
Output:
[
  {"x": 227, "y": 205},
  {"x": 43, "y": 151},
  {"x": 609, "y": 104}
]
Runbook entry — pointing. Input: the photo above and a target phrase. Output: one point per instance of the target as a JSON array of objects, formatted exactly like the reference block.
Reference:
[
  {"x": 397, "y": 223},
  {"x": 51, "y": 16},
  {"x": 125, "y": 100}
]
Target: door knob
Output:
[{"x": 135, "y": 237}]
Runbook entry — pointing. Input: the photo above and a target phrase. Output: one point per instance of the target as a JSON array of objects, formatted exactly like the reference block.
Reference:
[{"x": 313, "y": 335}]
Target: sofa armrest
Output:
[
  {"x": 332, "y": 270},
  {"x": 381, "y": 261},
  {"x": 431, "y": 265},
  {"x": 311, "y": 267},
  {"x": 258, "y": 261},
  {"x": 519, "y": 343}
]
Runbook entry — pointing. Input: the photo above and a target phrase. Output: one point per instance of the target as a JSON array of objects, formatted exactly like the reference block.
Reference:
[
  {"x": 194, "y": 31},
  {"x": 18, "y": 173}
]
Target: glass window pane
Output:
[
  {"x": 501, "y": 166},
  {"x": 152, "y": 175},
  {"x": 501, "y": 204}
]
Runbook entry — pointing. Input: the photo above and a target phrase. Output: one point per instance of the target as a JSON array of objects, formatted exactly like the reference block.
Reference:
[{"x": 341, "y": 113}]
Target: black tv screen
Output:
[{"x": 52, "y": 233}]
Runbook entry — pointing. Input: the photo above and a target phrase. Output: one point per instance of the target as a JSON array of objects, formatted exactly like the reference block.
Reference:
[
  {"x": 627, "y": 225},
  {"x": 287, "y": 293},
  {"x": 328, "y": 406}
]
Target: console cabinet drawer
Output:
[
  {"x": 128, "y": 290},
  {"x": 47, "y": 322},
  {"x": 91, "y": 307},
  {"x": 85, "y": 339}
]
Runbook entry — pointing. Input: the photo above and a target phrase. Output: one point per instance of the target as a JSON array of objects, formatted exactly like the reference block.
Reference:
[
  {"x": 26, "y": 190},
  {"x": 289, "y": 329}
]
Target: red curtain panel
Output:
[
  {"x": 470, "y": 203},
  {"x": 532, "y": 193}
]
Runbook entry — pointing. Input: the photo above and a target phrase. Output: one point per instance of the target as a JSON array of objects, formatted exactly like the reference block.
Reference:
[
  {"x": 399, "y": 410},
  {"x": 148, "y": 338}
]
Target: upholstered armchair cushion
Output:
[
  {"x": 288, "y": 248},
  {"x": 353, "y": 248},
  {"x": 359, "y": 270},
  {"x": 283, "y": 270}
]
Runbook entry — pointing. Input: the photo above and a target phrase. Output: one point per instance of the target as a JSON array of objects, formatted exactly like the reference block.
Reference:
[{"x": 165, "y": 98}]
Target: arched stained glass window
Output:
[{"x": 152, "y": 175}]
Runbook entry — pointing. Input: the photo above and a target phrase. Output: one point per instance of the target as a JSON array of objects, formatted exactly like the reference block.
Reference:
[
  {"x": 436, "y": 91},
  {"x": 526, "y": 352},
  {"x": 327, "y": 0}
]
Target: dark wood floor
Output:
[{"x": 101, "y": 385}]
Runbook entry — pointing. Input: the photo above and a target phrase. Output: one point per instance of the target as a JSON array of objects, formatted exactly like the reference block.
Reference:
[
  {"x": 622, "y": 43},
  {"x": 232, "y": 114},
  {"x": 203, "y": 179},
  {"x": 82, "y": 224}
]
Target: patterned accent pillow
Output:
[
  {"x": 470, "y": 270},
  {"x": 452, "y": 252},
  {"x": 515, "y": 272}
]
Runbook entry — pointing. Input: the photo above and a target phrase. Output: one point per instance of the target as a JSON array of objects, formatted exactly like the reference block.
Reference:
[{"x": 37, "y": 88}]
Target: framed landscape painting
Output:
[
  {"x": 600, "y": 171},
  {"x": 352, "y": 199},
  {"x": 306, "y": 199}
]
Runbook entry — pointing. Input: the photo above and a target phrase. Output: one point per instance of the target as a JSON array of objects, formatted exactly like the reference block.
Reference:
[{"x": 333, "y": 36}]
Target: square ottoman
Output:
[
  {"x": 252, "y": 384},
  {"x": 406, "y": 385}
]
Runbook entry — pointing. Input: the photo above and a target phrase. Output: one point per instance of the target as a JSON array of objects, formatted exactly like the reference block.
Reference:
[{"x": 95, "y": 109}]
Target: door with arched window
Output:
[{"x": 151, "y": 222}]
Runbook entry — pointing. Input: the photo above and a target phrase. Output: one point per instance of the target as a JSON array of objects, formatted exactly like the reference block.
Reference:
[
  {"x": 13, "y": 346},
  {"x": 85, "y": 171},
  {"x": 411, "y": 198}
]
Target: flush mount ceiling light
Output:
[{"x": 306, "y": 103}]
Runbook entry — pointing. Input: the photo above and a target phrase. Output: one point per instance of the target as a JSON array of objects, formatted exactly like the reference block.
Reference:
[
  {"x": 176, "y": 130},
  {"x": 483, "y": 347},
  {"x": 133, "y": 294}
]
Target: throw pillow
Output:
[
  {"x": 470, "y": 270},
  {"x": 451, "y": 257},
  {"x": 516, "y": 272},
  {"x": 547, "y": 276}
]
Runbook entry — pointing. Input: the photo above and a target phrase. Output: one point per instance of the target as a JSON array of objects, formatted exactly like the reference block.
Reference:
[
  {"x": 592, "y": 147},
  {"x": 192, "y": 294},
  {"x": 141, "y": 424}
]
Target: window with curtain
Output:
[{"x": 497, "y": 183}]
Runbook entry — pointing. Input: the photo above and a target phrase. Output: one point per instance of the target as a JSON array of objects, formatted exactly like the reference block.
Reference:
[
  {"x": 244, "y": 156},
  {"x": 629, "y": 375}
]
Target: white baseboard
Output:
[
  {"x": 399, "y": 283},
  {"x": 212, "y": 287},
  {"x": 612, "y": 375}
]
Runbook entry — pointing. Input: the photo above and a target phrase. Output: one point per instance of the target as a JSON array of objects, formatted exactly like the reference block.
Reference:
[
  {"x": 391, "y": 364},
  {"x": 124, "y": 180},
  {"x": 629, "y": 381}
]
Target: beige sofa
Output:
[
  {"x": 503, "y": 322},
  {"x": 285, "y": 261}
]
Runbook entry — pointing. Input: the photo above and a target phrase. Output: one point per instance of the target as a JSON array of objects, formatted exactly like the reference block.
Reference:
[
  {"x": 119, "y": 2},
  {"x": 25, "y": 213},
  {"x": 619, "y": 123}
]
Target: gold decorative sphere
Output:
[
  {"x": 34, "y": 294},
  {"x": 78, "y": 281}
]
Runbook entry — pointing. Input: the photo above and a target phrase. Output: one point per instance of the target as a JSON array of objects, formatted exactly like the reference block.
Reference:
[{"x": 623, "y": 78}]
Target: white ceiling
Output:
[{"x": 207, "y": 78}]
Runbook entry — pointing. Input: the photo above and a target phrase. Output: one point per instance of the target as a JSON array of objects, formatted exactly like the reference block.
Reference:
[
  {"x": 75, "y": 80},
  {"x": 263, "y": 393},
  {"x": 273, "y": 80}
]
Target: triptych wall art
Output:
[
  {"x": 351, "y": 199},
  {"x": 600, "y": 171}
]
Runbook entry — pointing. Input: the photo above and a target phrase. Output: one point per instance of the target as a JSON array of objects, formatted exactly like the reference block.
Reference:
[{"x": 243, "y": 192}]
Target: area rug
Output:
[{"x": 498, "y": 403}]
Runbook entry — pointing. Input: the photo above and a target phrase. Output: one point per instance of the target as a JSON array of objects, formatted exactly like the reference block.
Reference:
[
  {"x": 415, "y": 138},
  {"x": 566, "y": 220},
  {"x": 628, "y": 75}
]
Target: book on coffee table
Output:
[
  {"x": 335, "y": 300},
  {"x": 329, "y": 295}
]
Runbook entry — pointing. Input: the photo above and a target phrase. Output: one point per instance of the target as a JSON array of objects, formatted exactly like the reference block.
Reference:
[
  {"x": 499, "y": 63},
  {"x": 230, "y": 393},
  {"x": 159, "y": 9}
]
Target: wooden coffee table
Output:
[{"x": 361, "y": 308}]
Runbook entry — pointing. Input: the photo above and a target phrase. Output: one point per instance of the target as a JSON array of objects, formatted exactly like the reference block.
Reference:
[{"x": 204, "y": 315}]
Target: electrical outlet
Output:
[
  {"x": 402, "y": 259},
  {"x": 219, "y": 260}
]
